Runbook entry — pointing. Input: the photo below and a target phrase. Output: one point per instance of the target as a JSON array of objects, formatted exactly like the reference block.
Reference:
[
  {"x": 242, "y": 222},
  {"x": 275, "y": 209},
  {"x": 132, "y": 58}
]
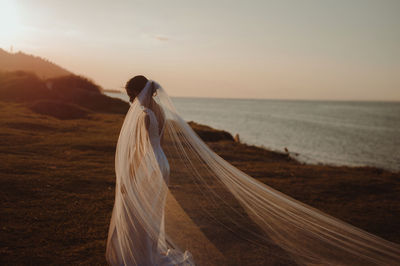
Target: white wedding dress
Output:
[
  {"x": 132, "y": 240},
  {"x": 167, "y": 190}
]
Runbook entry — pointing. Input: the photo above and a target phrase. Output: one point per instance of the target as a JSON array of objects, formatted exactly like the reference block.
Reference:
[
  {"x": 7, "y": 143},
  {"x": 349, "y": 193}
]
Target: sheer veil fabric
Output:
[{"x": 177, "y": 202}]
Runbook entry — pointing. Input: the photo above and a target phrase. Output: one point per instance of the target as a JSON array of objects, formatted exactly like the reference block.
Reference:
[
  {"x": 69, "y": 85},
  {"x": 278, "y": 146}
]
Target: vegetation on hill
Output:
[
  {"x": 210, "y": 134},
  {"x": 59, "y": 110},
  {"x": 75, "y": 92},
  {"x": 30, "y": 63}
]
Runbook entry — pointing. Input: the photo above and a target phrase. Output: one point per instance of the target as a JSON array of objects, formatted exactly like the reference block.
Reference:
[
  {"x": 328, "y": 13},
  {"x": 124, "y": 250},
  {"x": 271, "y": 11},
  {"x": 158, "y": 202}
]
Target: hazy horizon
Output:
[
  {"x": 110, "y": 92},
  {"x": 309, "y": 50}
]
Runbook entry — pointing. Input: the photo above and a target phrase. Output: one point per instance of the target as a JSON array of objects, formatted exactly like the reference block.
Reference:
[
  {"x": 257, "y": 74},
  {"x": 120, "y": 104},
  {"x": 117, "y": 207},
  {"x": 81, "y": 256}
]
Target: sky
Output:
[{"x": 309, "y": 49}]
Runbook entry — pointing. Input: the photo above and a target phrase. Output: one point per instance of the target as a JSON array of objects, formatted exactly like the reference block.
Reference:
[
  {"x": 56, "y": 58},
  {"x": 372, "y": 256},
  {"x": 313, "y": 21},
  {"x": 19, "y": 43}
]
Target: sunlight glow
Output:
[
  {"x": 267, "y": 49},
  {"x": 9, "y": 22}
]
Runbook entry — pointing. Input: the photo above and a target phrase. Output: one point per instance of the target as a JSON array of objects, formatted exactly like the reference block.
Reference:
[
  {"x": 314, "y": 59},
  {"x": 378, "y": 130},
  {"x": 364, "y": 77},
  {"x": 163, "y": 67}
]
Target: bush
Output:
[
  {"x": 209, "y": 134},
  {"x": 59, "y": 110},
  {"x": 80, "y": 92},
  {"x": 21, "y": 86}
]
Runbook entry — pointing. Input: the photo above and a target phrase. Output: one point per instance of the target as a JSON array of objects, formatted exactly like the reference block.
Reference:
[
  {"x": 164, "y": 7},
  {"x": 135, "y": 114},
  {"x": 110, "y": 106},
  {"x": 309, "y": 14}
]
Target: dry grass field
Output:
[{"x": 57, "y": 188}]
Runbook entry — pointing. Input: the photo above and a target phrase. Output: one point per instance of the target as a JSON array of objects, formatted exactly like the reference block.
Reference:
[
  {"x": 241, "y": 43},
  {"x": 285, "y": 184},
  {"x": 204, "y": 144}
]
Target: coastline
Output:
[
  {"x": 58, "y": 186},
  {"x": 328, "y": 133}
]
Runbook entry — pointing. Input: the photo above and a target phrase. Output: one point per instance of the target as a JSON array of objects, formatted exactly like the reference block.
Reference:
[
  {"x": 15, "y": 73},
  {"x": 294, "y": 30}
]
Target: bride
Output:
[
  {"x": 136, "y": 234},
  {"x": 169, "y": 182}
]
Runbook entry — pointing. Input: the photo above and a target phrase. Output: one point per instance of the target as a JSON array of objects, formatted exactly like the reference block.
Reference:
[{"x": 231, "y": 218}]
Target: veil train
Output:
[{"x": 181, "y": 203}]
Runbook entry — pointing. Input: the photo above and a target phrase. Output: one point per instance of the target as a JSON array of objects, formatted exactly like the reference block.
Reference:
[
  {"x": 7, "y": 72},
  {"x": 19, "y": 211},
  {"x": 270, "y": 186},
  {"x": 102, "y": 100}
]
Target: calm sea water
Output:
[{"x": 328, "y": 132}]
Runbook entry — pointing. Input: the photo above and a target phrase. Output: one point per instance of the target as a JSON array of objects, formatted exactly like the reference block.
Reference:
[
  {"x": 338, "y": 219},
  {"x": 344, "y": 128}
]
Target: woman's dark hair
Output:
[{"x": 135, "y": 85}]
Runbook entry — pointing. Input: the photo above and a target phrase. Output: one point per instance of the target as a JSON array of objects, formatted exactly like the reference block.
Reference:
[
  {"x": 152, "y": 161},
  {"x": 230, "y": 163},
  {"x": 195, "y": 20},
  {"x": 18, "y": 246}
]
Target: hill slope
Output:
[
  {"x": 29, "y": 63},
  {"x": 58, "y": 182},
  {"x": 66, "y": 97}
]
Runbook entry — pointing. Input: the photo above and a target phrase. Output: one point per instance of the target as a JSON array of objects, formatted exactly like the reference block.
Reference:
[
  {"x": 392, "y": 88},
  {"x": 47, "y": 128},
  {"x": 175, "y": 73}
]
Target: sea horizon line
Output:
[{"x": 271, "y": 99}]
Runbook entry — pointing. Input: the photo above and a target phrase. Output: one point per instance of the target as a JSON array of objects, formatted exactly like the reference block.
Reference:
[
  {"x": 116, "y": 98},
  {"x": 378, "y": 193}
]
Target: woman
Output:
[
  {"x": 136, "y": 234},
  {"x": 196, "y": 200}
]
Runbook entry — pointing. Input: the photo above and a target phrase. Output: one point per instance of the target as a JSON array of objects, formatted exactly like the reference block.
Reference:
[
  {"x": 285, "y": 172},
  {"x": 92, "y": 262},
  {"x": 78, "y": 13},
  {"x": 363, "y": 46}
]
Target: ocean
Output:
[{"x": 319, "y": 132}]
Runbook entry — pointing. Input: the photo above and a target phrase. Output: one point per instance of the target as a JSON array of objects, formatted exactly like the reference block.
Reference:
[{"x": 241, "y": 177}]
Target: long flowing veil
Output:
[{"x": 211, "y": 213}]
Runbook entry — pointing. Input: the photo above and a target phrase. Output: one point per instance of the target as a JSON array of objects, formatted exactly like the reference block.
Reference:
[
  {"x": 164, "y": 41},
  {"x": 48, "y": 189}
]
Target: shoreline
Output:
[
  {"x": 292, "y": 155},
  {"x": 311, "y": 138}
]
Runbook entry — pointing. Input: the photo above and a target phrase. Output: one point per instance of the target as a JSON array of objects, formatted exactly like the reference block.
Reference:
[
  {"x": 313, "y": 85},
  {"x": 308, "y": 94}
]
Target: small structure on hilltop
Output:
[{"x": 237, "y": 138}]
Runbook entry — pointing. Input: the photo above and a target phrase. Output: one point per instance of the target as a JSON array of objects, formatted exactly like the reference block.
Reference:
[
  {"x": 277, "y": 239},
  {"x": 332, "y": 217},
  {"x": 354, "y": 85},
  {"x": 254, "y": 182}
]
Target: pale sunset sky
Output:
[{"x": 299, "y": 49}]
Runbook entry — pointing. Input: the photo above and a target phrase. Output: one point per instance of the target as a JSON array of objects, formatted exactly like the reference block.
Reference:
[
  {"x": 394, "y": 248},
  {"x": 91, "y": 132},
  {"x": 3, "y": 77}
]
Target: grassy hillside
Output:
[
  {"x": 57, "y": 180},
  {"x": 29, "y": 63},
  {"x": 74, "y": 92}
]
